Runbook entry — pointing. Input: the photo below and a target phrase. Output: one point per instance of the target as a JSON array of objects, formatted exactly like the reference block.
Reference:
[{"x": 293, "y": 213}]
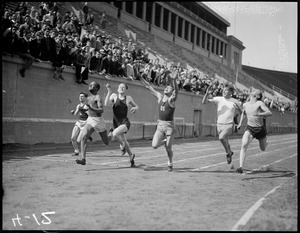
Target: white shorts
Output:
[
  {"x": 80, "y": 124},
  {"x": 97, "y": 123}
]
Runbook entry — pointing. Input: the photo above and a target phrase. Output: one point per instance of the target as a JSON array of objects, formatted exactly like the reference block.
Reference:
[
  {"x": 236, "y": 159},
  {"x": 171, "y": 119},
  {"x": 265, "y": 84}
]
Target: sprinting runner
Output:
[
  {"x": 94, "y": 122},
  {"x": 226, "y": 106},
  {"x": 256, "y": 111},
  {"x": 165, "y": 125},
  {"x": 81, "y": 112},
  {"x": 121, "y": 123}
]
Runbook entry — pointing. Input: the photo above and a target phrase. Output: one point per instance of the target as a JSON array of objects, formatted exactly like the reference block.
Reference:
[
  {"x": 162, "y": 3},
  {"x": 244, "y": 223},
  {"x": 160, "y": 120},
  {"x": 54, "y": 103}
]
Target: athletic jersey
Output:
[
  {"x": 120, "y": 109},
  {"x": 165, "y": 112},
  {"x": 225, "y": 110},
  {"x": 83, "y": 113},
  {"x": 251, "y": 111}
]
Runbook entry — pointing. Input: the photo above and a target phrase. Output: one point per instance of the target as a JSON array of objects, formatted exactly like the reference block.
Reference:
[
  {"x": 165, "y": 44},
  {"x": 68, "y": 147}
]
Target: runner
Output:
[
  {"x": 121, "y": 123},
  {"x": 165, "y": 124},
  {"x": 226, "y": 106},
  {"x": 94, "y": 122},
  {"x": 256, "y": 111},
  {"x": 81, "y": 112}
]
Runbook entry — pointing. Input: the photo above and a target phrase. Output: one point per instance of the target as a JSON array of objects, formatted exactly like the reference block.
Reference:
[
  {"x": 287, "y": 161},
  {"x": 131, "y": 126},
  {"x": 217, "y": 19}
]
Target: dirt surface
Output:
[{"x": 44, "y": 189}]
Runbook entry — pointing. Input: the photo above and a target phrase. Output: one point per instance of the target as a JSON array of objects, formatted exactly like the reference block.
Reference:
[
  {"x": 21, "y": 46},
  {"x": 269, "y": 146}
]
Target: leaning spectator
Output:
[{"x": 24, "y": 53}]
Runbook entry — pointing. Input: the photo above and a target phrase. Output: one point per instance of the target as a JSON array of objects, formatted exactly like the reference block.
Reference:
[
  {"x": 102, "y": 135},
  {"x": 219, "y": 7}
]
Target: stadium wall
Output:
[{"x": 36, "y": 109}]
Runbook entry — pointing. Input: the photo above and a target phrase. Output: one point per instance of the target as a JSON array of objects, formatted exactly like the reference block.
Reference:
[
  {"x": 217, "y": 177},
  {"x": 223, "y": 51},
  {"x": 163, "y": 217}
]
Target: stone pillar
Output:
[
  {"x": 144, "y": 10},
  {"x": 161, "y": 18},
  {"x": 169, "y": 21},
  {"x": 176, "y": 25},
  {"x": 183, "y": 28},
  {"x": 189, "y": 32},
  {"x": 134, "y": 8},
  {"x": 153, "y": 14}
]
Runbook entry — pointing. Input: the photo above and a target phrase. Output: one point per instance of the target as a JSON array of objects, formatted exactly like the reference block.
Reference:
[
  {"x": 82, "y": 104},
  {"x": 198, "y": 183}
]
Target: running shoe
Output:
[
  {"x": 229, "y": 157},
  {"x": 132, "y": 164},
  {"x": 170, "y": 168},
  {"x": 239, "y": 170},
  {"x": 90, "y": 138},
  {"x": 75, "y": 154},
  {"x": 80, "y": 161}
]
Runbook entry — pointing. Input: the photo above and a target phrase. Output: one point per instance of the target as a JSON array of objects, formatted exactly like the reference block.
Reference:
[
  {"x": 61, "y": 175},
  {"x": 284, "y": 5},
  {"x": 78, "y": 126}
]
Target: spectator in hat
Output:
[{"x": 24, "y": 53}]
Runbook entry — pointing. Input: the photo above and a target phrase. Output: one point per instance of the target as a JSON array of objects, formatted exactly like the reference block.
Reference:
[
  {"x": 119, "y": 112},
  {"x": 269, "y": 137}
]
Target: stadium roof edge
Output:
[
  {"x": 214, "y": 13},
  {"x": 266, "y": 70}
]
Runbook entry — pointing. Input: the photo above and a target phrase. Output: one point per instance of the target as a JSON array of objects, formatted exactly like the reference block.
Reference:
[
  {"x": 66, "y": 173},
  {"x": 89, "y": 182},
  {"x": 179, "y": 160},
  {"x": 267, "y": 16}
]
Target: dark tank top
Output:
[
  {"x": 83, "y": 114},
  {"x": 165, "y": 112},
  {"x": 120, "y": 109}
]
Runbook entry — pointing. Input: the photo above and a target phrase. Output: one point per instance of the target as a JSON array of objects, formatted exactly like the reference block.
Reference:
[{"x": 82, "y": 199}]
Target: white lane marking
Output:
[
  {"x": 277, "y": 161},
  {"x": 245, "y": 218}
]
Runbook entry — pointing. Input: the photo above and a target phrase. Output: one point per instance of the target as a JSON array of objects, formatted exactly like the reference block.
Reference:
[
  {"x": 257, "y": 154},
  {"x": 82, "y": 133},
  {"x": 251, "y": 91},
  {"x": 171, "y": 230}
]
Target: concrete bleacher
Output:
[{"x": 166, "y": 50}]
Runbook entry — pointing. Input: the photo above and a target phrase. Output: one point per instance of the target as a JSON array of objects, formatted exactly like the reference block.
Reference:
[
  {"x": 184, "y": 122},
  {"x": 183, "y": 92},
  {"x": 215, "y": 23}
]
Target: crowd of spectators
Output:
[{"x": 42, "y": 34}]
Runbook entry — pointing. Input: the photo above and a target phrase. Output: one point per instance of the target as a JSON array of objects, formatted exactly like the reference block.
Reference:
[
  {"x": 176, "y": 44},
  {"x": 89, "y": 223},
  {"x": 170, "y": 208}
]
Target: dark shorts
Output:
[
  {"x": 257, "y": 132},
  {"x": 118, "y": 122}
]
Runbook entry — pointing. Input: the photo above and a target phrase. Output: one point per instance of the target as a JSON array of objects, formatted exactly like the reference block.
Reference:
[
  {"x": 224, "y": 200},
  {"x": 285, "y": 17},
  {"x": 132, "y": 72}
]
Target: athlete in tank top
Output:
[
  {"x": 121, "y": 122},
  {"x": 165, "y": 111}
]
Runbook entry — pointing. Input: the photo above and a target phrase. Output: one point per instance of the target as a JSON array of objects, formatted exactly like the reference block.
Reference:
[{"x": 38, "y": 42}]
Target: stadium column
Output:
[
  {"x": 161, "y": 18},
  {"x": 169, "y": 21},
  {"x": 153, "y": 13},
  {"x": 144, "y": 10},
  {"x": 189, "y": 31},
  {"x": 183, "y": 28},
  {"x": 176, "y": 25},
  {"x": 134, "y": 8}
]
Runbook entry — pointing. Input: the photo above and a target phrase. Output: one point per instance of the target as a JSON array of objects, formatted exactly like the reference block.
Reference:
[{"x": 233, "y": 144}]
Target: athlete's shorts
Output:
[
  {"x": 80, "y": 124},
  {"x": 118, "y": 122},
  {"x": 166, "y": 127},
  {"x": 225, "y": 127},
  {"x": 257, "y": 132},
  {"x": 97, "y": 123}
]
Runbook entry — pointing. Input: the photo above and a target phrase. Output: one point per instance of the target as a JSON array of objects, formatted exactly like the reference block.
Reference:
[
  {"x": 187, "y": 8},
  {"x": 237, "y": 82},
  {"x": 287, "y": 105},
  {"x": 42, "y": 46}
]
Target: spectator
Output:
[
  {"x": 25, "y": 26},
  {"x": 95, "y": 62},
  {"x": 85, "y": 11},
  {"x": 10, "y": 39},
  {"x": 98, "y": 43},
  {"x": 81, "y": 66},
  {"x": 58, "y": 58},
  {"x": 47, "y": 47},
  {"x": 35, "y": 21},
  {"x": 6, "y": 22},
  {"x": 24, "y": 53},
  {"x": 35, "y": 46},
  {"x": 103, "y": 20}
]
